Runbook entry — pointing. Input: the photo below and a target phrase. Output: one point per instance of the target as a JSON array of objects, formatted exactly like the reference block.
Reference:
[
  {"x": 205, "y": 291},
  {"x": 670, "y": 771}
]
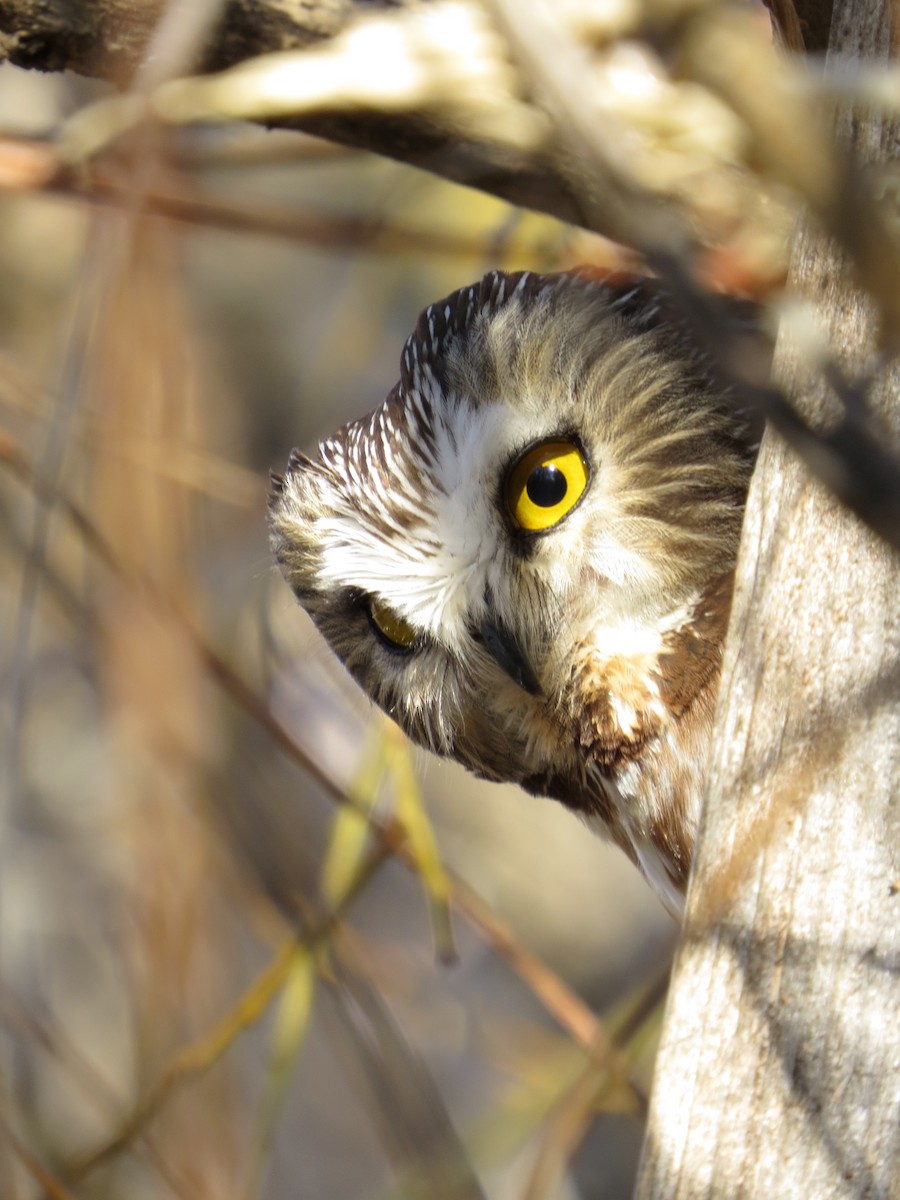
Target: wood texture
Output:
[{"x": 779, "y": 1071}]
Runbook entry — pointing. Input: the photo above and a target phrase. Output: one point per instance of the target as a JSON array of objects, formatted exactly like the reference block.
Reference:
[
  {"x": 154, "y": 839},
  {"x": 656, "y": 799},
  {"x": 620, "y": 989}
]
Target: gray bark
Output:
[{"x": 779, "y": 1069}]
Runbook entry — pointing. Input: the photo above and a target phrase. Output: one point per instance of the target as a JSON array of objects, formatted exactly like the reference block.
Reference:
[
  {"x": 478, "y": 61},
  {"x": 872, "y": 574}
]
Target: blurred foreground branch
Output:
[{"x": 464, "y": 136}]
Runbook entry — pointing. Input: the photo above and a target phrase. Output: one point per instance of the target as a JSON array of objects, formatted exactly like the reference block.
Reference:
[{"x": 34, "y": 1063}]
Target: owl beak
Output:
[{"x": 507, "y": 655}]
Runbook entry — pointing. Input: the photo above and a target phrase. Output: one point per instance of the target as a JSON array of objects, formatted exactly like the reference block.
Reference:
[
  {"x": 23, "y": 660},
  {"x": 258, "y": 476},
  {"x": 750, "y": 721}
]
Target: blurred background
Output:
[
  {"x": 215, "y": 979},
  {"x": 158, "y": 848}
]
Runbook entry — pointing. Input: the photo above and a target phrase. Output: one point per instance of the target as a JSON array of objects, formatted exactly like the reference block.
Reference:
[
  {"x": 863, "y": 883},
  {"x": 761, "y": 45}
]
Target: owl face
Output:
[{"x": 541, "y": 503}]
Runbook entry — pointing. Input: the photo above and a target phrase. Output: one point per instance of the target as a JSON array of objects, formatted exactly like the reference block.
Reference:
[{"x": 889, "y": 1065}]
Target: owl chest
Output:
[
  {"x": 642, "y": 726},
  {"x": 653, "y": 800}
]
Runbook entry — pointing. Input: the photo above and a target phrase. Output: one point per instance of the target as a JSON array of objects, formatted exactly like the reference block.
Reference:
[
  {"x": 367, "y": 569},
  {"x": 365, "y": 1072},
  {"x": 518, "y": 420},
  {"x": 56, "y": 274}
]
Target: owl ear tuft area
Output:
[
  {"x": 276, "y": 488},
  {"x": 647, "y": 303},
  {"x": 297, "y": 461},
  {"x": 447, "y": 320}
]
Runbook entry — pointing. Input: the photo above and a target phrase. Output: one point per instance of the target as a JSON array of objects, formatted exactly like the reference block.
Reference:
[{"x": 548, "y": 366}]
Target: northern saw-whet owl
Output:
[{"x": 525, "y": 555}]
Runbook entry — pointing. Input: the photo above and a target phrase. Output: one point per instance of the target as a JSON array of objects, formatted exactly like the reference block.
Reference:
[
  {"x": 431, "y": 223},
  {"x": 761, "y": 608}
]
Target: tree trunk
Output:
[{"x": 779, "y": 1070}]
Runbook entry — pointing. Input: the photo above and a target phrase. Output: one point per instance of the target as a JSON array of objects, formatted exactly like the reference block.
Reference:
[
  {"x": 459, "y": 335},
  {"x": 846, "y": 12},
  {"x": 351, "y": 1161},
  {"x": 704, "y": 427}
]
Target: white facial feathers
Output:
[
  {"x": 409, "y": 506},
  {"x": 433, "y": 545}
]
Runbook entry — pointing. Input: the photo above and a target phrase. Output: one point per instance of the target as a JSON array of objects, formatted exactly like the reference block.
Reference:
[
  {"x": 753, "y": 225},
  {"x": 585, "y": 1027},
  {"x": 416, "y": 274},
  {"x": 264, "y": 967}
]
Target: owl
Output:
[{"x": 525, "y": 555}]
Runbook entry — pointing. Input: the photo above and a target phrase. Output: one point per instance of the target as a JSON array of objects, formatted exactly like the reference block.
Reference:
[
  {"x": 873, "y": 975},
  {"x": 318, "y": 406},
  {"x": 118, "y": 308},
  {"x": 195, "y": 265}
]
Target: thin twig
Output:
[
  {"x": 53, "y": 1188},
  {"x": 559, "y": 1000},
  {"x": 35, "y": 167},
  {"x": 250, "y": 1008}
]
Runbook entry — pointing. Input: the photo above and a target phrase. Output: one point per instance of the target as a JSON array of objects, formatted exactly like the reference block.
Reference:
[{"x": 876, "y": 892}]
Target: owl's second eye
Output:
[
  {"x": 391, "y": 629},
  {"x": 545, "y": 484}
]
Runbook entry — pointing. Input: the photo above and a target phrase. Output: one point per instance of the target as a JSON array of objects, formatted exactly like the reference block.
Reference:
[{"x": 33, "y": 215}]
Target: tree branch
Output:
[{"x": 111, "y": 39}]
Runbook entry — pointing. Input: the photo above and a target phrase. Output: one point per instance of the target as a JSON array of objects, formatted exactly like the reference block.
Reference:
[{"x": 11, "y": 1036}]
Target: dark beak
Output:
[{"x": 507, "y": 655}]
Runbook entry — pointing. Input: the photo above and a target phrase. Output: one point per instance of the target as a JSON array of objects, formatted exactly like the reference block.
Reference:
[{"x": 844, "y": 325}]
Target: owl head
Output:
[{"x": 549, "y": 496}]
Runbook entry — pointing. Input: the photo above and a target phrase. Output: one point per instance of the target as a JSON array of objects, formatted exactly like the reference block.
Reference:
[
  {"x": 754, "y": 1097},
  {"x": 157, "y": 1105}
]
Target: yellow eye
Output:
[
  {"x": 546, "y": 484},
  {"x": 396, "y": 633}
]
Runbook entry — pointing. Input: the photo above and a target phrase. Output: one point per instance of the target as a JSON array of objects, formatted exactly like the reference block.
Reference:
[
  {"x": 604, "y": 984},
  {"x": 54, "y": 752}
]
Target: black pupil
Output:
[{"x": 546, "y": 486}]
